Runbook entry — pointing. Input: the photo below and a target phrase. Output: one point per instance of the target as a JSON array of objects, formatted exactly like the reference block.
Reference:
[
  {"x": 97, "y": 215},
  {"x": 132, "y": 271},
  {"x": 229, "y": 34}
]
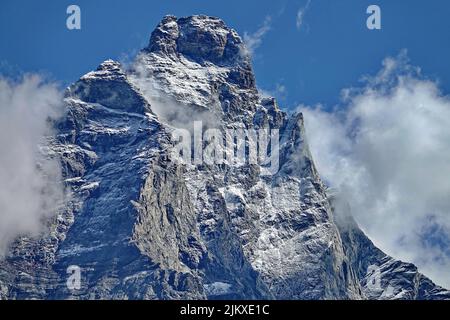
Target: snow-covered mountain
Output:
[{"x": 142, "y": 225}]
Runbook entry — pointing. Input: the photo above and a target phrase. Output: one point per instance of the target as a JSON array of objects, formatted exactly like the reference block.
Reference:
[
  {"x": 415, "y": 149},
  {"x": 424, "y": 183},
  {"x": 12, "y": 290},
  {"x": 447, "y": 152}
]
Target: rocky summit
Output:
[{"x": 141, "y": 225}]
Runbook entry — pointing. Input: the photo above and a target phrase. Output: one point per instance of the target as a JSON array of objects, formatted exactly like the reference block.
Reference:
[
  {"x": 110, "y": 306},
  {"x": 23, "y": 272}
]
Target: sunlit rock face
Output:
[{"x": 141, "y": 225}]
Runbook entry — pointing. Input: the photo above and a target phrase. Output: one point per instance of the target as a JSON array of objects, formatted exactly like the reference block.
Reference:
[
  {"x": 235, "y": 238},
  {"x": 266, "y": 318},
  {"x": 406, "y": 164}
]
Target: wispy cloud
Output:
[
  {"x": 254, "y": 40},
  {"x": 301, "y": 15},
  {"x": 280, "y": 92},
  {"x": 30, "y": 186},
  {"x": 388, "y": 152}
]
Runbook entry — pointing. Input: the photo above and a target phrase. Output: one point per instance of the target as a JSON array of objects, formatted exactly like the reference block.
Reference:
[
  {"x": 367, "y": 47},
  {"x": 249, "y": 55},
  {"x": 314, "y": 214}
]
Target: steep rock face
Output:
[
  {"x": 142, "y": 225},
  {"x": 280, "y": 225}
]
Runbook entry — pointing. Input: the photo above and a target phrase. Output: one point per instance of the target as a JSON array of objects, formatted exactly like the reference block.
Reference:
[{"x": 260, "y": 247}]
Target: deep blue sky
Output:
[{"x": 331, "y": 51}]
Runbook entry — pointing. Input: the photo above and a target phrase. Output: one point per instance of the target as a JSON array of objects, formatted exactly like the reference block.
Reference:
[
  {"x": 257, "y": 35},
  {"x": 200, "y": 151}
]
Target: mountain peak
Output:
[
  {"x": 107, "y": 70},
  {"x": 198, "y": 61},
  {"x": 140, "y": 224},
  {"x": 198, "y": 37}
]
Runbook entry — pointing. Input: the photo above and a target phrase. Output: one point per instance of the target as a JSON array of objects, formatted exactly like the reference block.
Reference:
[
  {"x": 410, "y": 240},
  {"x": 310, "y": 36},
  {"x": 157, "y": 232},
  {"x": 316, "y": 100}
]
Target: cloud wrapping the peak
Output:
[
  {"x": 253, "y": 41},
  {"x": 387, "y": 151},
  {"x": 30, "y": 188}
]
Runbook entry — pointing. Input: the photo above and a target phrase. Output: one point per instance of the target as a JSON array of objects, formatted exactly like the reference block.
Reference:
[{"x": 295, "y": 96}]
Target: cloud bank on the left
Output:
[{"x": 31, "y": 189}]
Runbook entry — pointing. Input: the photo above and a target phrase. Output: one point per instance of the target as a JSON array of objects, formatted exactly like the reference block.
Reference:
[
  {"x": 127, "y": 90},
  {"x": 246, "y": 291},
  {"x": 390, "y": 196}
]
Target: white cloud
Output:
[
  {"x": 301, "y": 15},
  {"x": 388, "y": 153},
  {"x": 167, "y": 108},
  {"x": 254, "y": 40},
  {"x": 29, "y": 182},
  {"x": 280, "y": 92}
]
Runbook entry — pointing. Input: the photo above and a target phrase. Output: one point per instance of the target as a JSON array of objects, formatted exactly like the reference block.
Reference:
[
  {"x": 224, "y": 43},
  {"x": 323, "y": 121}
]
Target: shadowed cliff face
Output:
[{"x": 142, "y": 225}]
